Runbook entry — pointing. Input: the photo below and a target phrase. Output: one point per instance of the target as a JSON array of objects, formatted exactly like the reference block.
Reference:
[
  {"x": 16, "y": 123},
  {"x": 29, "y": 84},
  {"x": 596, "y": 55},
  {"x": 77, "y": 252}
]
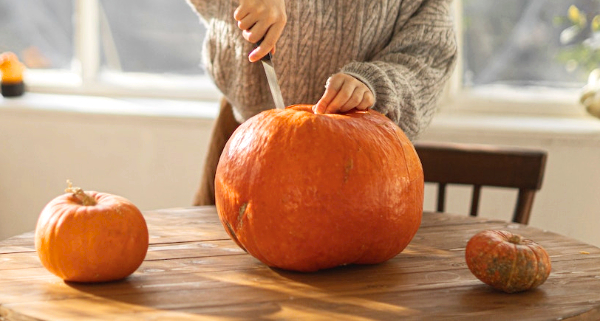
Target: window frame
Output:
[
  {"x": 506, "y": 100},
  {"x": 85, "y": 77}
]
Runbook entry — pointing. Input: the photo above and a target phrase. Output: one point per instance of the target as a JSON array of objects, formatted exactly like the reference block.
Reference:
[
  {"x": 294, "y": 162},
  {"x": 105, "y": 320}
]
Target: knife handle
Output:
[{"x": 268, "y": 56}]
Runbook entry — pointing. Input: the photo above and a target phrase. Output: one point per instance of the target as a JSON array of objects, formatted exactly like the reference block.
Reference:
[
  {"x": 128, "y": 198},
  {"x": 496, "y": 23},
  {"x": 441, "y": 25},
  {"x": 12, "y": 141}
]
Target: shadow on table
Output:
[
  {"x": 348, "y": 291},
  {"x": 484, "y": 300}
]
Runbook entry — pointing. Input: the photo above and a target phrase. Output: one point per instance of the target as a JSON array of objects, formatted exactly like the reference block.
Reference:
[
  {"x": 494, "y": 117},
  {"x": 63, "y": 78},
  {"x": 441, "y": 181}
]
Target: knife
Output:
[{"x": 267, "y": 63}]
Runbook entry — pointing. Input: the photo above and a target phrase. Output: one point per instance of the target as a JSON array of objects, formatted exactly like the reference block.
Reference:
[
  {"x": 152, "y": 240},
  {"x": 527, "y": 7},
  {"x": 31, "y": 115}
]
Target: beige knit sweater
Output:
[{"x": 404, "y": 50}]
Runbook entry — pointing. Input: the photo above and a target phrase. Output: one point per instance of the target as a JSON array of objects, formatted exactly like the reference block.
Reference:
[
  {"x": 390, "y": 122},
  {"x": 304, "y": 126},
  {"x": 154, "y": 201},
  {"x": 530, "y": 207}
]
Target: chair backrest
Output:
[{"x": 484, "y": 165}]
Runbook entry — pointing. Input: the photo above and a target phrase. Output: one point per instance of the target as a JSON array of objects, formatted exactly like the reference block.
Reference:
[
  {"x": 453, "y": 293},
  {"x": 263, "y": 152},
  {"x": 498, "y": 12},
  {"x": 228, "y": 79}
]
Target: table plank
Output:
[{"x": 194, "y": 271}]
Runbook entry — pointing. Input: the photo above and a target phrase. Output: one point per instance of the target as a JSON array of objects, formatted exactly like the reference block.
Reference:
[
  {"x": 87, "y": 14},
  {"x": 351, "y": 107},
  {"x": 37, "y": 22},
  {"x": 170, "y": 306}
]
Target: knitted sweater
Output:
[{"x": 403, "y": 50}]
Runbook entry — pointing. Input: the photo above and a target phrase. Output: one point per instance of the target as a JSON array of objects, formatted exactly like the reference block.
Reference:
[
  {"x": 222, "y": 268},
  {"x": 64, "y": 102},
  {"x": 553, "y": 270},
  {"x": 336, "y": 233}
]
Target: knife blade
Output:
[{"x": 267, "y": 62}]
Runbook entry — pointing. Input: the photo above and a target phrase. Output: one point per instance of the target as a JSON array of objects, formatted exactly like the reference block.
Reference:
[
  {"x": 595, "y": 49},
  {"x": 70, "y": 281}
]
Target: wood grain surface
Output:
[{"x": 193, "y": 271}]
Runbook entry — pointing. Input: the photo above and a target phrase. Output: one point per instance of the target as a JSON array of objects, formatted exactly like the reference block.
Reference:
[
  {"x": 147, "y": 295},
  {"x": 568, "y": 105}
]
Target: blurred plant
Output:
[
  {"x": 584, "y": 41},
  {"x": 581, "y": 39}
]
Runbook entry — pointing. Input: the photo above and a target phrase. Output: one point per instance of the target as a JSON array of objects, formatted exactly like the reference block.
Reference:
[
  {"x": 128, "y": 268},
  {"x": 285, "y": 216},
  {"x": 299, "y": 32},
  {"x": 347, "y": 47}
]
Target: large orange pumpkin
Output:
[
  {"x": 507, "y": 261},
  {"x": 304, "y": 191},
  {"x": 91, "y": 237}
]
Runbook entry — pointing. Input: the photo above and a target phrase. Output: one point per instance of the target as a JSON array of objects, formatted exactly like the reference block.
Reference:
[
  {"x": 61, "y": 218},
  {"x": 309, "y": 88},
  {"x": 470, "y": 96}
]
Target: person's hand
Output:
[
  {"x": 261, "y": 19},
  {"x": 342, "y": 93}
]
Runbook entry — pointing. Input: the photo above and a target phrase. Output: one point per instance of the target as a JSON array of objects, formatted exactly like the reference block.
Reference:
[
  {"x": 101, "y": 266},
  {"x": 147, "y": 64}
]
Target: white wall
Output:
[{"x": 155, "y": 160}]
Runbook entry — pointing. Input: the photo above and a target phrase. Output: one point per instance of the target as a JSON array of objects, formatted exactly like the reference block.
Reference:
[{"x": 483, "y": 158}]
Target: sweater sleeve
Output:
[{"x": 408, "y": 75}]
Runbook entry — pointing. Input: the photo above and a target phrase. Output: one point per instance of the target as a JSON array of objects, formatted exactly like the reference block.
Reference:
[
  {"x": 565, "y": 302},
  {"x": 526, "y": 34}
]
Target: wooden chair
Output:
[{"x": 484, "y": 165}]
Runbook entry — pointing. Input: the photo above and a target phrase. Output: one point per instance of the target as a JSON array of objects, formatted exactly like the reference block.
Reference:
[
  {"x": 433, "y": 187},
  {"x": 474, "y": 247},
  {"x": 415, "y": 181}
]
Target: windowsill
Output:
[
  {"x": 507, "y": 100},
  {"x": 115, "y": 84},
  {"x": 498, "y": 110},
  {"x": 447, "y": 121},
  {"x": 534, "y": 126},
  {"x": 149, "y": 107}
]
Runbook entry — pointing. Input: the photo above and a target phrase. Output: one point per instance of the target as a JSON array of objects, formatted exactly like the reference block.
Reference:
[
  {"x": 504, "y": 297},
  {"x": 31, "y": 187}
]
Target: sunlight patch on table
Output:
[{"x": 295, "y": 289}]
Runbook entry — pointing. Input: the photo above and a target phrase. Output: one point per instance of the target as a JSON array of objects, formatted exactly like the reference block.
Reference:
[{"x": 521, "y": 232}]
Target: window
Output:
[
  {"x": 38, "y": 31},
  {"x": 537, "y": 52},
  {"x": 150, "y": 36},
  {"x": 127, "y": 47},
  {"x": 530, "y": 42},
  {"x": 524, "y": 56}
]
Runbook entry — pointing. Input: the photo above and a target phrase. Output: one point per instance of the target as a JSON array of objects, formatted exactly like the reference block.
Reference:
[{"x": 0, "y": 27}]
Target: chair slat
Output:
[
  {"x": 475, "y": 200},
  {"x": 441, "y": 197},
  {"x": 524, "y": 205}
]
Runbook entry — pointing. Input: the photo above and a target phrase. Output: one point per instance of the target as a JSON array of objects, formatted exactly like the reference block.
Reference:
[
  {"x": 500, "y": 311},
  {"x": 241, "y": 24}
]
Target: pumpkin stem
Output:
[
  {"x": 85, "y": 199},
  {"x": 515, "y": 239}
]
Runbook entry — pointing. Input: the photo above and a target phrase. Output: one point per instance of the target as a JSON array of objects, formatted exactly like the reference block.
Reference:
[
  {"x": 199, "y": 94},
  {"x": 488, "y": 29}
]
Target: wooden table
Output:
[{"x": 193, "y": 271}]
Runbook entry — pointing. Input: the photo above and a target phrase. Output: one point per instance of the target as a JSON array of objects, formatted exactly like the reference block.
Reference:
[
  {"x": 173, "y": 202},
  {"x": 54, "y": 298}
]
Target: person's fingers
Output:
[
  {"x": 354, "y": 100},
  {"x": 240, "y": 13},
  {"x": 269, "y": 41},
  {"x": 368, "y": 100},
  {"x": 345, "y": 100},
  {"x": 343, "y": 93},
  {"x": 332, "y": 87},
  {"x": 246, "y": 23},
  {"x": 261, "y": 21},
  {"x": 256, "y": 32}
]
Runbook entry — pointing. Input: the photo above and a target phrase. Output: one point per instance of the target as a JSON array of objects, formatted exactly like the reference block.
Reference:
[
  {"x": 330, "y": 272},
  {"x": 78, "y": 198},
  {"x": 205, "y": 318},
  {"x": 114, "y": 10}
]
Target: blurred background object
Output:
[{"x": 12, "y": 75}]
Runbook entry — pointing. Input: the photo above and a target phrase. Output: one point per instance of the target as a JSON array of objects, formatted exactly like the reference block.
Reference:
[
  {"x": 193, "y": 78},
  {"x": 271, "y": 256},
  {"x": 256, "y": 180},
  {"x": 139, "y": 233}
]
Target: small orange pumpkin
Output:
[
  {"x": 11, "y": 68},
  {"x": 507, "y": 261},
  {"x": 91, "y": 237},
  {"x": 304, "y": 191}
]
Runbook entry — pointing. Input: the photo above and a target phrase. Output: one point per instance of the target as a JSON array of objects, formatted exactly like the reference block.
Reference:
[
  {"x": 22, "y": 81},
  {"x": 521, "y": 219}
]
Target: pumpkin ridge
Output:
[
  {"x": 490, "y": 268},
  {"x": 410, "y": 177},
  {"x": 534, "y": 280},
  {"x": 546, "y": 268},
  {"x": 513, "y": 268},
  {"x": 53, "y": 258}
]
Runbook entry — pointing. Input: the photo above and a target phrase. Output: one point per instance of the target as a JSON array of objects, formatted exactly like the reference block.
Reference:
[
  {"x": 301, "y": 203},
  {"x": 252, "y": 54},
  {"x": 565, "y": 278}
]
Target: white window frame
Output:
[
  {"x": 85, "y": 77},
  {"x": 87, "y": 80},
  {"x": 505, "y": 99}
]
